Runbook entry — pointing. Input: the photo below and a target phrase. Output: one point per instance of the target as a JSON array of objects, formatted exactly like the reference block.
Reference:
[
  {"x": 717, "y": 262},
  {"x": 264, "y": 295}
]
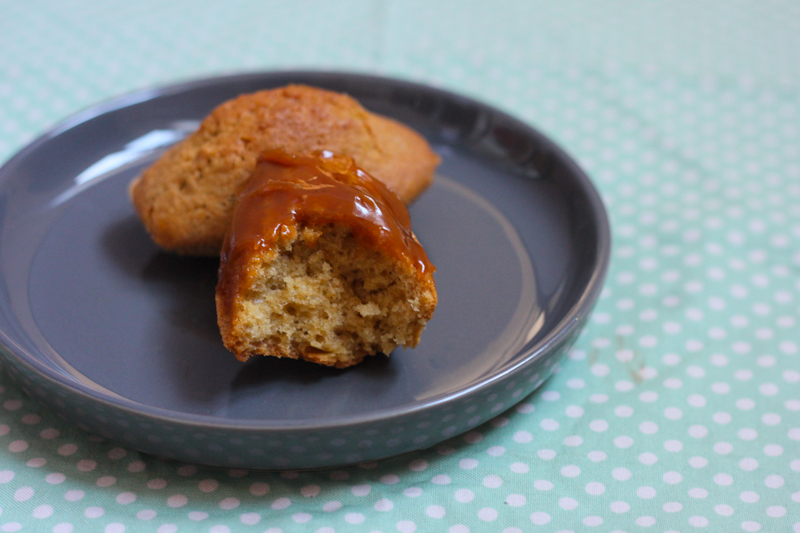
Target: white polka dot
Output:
[
  {"x": 252, "y": 519},
  {"x": 621, "y": 474},
  {"x": 596, "y": 456},
  {"x": 487, "y": 514},
  {"x": 86, "y": 465},
  {"x": 406, "y": 526},
  {"x": 208, "y": 485},
  {"x": 494, "y": 451},
  {"x": 595, "y": 488},
  {"x": 177, "y": 500},
  {"x": 354, "y": 518},
  {"x": 74, "y": 495},
  {"x": 229, "y": 503},
  {"x": 516, "y": 500},
  {"x": 771, "y": 419},
  {"x": 598, "y": 425},
  {"x": 673, "y": 445},
  {"x": 197, "y": 516},
  {"x": 125, "y": 498},
  {"x": 724, "y": 510},
  {"x": 620, "y": 507},
  {"x": 773, "y": 450},
  {"x": 720, "y": 388},
  {"x": 363, "y": 490},
  {"x": 623, "y": 411},
  {"x": 749, "y": 525},
  {"x": 723, "y": 448},
  {"x": 645, "y": 521},
  {"x": 23, "y": 494},
  {"x": 592, "y": 521},
  {"x": 548, "y": 424},
  {"x": 541, "y": 484},
  {"x": 388, "y": 479},
  {"x": 540, "y": 518},
  {"x": 672, "y": 413},
  {"x": 18, "y": 446},
  {"x": 492, "y": 481},
  {"x": 745, "y": 404},
  {"x": 748, "y": 464},
  {"x": 697, "y": 431},
  {"x": 576, "y": 383},
  {"x": 570, "y": 471},
  {"x": 281, "y": 503},
  {"x": 721, "y": 418},
  {"x": 94, "y": 512},
  {"x": 418, "y": 465},
  {"x": 648, "y": 458},
  {"x": 435, "y": 511},
  {"x": 546, "y": 454},
  {"x": 774, "y": 481},
  {"x": 623, "y": 386},
  {"x": 332, "y": 506},
  {"x": 646, "y": 492},
  {"x": 464, "y": 495},
  {"x": 749, "y": 496},
  {"x": 648, "y": 396},
  {"x": 723, "y": 479},
  {"x": 672, "y": 477},
  {"x": 567, "y": 503},
  {"x": 519, "y": 468},
  {"x": 698, "y": 521},
  {"x": 623, "y": 441},
  {"x": 698, "y": 493},
  {"x": 43, "y": 511},
  {"x": 776, "y": 511},
  {"x": 523, "y": 437},
  {"x": 106, "y": 481},
  {"x": 573, "y": 411}
]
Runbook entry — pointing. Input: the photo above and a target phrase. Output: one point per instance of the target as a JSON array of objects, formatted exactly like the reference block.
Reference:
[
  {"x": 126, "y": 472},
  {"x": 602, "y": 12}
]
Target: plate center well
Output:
[{"x": 139, "y": 322}]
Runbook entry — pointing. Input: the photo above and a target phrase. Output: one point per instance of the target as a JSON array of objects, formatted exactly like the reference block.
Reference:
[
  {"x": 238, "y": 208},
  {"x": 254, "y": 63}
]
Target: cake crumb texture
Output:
[{"x": 325, "y": 298}]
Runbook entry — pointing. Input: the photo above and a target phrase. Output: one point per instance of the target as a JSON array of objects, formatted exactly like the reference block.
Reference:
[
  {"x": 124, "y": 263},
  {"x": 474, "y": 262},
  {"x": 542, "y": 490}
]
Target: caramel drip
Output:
[{"x": 287, "y": 190}]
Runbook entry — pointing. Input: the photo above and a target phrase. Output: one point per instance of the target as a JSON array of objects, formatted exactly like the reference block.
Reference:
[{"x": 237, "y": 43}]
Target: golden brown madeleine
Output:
[
  {"x": 320, "y": 264},
  {"x": 186, "y": 198}
]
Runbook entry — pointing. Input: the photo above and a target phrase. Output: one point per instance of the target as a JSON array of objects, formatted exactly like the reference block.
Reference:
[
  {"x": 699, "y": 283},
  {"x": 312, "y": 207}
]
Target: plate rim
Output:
[{"x": 564, "y": 329}]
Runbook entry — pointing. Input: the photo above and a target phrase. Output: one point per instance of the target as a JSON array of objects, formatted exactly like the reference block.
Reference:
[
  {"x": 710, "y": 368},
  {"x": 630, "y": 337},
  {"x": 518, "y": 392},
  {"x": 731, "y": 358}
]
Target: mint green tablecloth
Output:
[{"x": 679, "y": 406}]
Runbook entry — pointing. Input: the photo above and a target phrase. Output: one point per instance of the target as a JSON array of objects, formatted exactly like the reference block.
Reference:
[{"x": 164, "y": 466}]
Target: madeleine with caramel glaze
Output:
[
  {"x": 186, "y": 198},
  {"x": 320, "y": 264}
]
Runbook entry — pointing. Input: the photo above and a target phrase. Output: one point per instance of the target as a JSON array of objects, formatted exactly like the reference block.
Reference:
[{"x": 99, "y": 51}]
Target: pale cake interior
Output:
[{"x": 327, "y": 299}]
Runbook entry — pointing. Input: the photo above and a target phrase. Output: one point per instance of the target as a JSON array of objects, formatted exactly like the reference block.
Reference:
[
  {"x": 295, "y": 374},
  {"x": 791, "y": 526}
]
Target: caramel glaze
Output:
[{"x": 288, "y": 190}]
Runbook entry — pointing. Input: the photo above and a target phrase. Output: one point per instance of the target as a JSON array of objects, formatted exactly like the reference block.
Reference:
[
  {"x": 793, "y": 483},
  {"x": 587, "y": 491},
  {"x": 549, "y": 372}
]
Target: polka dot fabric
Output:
[{"x": 678, "y": 409}]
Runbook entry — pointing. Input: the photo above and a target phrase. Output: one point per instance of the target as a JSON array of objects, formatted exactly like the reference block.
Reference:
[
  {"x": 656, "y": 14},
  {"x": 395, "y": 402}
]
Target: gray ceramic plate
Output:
[{"x": 121, "y": 338}]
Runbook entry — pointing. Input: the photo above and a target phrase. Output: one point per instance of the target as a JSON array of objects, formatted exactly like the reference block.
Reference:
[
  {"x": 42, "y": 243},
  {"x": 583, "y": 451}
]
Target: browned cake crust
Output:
[
  {"x": 186, "y": 198},
  {"x": 320, "y": 264}
]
